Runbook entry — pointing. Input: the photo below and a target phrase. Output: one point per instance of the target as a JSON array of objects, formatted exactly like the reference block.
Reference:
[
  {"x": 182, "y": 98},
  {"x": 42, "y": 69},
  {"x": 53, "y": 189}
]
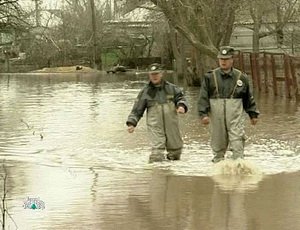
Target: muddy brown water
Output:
[{"x": 63, "y": 141}]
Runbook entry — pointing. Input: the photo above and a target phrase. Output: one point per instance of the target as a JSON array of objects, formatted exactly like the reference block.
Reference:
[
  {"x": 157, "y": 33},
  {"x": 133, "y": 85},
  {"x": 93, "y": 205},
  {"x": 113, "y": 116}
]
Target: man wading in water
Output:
[
  {"x": 224, "y": 96},
  {"x": 163, "y": 101}
]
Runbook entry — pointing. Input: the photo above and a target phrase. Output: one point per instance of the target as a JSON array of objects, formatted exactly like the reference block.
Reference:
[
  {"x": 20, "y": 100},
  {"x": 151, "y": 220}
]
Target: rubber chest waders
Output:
[
  {"x": 163, "y": 131},
  {"x": 227, "y": 122}
]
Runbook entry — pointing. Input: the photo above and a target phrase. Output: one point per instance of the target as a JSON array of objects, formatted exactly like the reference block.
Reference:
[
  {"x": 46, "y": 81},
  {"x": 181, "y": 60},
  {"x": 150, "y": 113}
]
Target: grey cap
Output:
[
  {"x": 226, "y": 52},
  {"x": 155, "y": 68}
]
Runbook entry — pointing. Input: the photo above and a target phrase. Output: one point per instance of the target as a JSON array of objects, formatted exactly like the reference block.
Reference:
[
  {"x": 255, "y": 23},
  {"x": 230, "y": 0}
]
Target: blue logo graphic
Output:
[{"x": 33, "y": 203}]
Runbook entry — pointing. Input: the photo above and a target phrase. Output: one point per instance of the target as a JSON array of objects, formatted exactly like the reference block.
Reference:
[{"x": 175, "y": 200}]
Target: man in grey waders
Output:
[
  {"x": 224, "y": 96},
  {"x": 163, "y": 101}
]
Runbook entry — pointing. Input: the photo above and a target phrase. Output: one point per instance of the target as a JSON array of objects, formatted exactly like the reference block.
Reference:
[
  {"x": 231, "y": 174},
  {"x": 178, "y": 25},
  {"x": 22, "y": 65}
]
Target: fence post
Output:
[
  {"x": 266, "y": 72},
  {"x": 257, "y": 66},
  {"x": 287, "y": 76},
  {"x": 273, "y": 66},
  {"x": 241, "y": 61},
  {"x": 294, "y": 78},
  {"x": 253, "y": 70}
]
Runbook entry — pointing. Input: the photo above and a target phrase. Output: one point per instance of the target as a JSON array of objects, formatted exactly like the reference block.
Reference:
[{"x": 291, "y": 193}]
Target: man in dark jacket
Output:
[
  {"x": 163, "y": 101},
  {"x": 224, "y": 96}
]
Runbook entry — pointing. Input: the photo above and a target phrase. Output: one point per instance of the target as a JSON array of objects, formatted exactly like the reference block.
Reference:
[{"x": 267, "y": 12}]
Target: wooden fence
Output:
[{"x": 276, "y": 72}]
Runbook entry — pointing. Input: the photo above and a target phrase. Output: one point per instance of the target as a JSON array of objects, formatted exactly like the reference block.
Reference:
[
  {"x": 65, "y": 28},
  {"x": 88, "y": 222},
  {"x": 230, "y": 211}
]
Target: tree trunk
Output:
[
  {"x": 255, "y": 37},
  {"x": 203, "y": 64},
  {"x": 176, "y": 41}
]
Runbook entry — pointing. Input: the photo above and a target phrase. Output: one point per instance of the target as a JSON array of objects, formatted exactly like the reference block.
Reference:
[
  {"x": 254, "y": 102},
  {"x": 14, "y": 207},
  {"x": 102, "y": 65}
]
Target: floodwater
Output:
[{"x": 63, "y": 141}]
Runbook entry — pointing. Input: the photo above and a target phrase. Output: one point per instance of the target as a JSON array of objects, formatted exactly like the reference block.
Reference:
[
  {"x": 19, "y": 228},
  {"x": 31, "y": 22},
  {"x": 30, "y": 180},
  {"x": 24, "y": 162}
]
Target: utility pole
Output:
[{"x": 94, "y": 31}]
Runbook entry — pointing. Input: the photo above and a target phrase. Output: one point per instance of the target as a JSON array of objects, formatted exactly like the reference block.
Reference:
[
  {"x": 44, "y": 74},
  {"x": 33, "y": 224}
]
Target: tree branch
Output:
[{"x": 8, "y": 2}]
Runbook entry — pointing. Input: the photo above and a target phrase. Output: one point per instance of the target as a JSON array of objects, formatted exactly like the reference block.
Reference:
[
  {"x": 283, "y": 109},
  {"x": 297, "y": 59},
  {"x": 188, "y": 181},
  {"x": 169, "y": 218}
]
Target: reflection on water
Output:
[
  {"x": 64, "y": 141},
  {"x": 228, "y": 211}
]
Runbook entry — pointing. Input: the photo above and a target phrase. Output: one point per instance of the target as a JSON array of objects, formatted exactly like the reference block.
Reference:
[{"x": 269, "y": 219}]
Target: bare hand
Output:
[
  {"x": 205, "y": 120},
  {"x": 130, "y": 129},
  {"x": 253, "y": 121},
  {"x": 180, "y": 110}
]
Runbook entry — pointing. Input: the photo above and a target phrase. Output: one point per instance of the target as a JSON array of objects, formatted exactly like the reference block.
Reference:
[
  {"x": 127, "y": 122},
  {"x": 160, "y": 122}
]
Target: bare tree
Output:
[
  {"x": 11, "y": 15},
  {"x": 206, "y": 24},
  {"x": 74, "y": 38},
  {"x": 81, "y": 17},
  {"x": 270, "y": 17}
]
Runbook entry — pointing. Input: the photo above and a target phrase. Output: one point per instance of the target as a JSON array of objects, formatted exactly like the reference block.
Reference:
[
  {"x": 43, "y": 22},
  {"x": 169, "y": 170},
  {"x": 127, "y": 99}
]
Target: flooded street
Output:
[{"x": 64, "y": 141}]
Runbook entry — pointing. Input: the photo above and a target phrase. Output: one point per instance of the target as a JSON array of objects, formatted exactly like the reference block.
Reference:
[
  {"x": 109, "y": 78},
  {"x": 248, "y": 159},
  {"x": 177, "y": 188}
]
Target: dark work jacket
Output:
[
  {"x": 227, "y": 88},
  {"x": 151, "y": 94}
]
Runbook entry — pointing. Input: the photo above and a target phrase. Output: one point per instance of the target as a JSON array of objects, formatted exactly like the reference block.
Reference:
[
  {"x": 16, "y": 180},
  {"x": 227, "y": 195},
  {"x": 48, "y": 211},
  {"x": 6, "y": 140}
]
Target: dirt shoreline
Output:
[{"x": 67, "y": 69}]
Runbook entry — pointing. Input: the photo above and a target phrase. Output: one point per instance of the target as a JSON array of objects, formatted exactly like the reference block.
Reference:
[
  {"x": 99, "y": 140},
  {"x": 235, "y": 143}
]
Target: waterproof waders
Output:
[
  {"x": 227, "y": 128},
  {"x": 164, "y": 133},
  {"x": 226, "y": 97},
  {"x": 227, "y": 124},
  {"x": 161, "y": 102}
]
